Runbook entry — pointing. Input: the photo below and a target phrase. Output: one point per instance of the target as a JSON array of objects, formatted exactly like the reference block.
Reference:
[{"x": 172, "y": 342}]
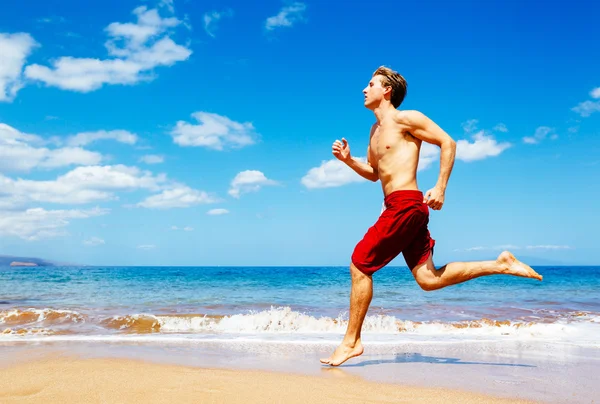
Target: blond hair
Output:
[{"x": 391, "y": 78}]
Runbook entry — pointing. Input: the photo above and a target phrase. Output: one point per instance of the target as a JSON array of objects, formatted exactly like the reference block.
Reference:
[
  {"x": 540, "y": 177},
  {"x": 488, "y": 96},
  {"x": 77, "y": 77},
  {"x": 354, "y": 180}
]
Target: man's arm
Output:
[
  {"x": 365, "y": 170},
  {"x": 421, "y": 127},
  {"x": 341, "y": 150}
]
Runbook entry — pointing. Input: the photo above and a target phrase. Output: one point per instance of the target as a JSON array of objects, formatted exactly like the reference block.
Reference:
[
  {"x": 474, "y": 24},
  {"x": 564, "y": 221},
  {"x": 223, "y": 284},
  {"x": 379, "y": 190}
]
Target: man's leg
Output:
[
  {"x": 360, "y": 299},
  {"x": 429, "y": 278}
]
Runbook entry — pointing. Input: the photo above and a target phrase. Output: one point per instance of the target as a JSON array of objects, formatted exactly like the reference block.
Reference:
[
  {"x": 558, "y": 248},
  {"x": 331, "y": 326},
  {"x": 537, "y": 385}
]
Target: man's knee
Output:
[
  {"x": 426, "y": 279},
  {"x": 428, "y": 284},
  {"x": 357, "y": 274}
]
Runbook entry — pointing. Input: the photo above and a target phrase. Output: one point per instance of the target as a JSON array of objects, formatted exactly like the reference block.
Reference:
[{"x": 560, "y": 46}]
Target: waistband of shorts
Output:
[{"x": 404, "y": 195}]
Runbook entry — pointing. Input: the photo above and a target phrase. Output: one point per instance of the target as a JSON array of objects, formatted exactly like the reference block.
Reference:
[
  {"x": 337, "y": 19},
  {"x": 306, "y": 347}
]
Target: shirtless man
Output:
[{"x": 392, "y": 157}]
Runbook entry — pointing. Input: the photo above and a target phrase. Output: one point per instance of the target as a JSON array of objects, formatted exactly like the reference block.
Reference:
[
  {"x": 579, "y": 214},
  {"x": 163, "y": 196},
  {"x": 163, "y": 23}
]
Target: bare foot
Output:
[
  {"x": 515, "y": 267},
  {"x": 343, "y": 353}
]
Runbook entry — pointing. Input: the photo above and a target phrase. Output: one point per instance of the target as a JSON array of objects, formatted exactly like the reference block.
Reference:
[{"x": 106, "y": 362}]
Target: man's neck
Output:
[{"x": 382, "y": 111}]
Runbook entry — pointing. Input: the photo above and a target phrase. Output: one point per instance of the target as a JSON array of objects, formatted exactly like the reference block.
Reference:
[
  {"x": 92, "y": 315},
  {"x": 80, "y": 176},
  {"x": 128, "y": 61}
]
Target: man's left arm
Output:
[{"x": 425, "y": 129}]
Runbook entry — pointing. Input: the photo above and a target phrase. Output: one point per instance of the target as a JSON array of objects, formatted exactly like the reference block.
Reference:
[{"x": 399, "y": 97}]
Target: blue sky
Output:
[{"x": 199, "y": 133}]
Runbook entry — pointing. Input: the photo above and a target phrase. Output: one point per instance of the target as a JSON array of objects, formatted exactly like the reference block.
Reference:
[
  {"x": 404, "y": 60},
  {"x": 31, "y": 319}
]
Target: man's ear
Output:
[{"x": 387, "y": 91}]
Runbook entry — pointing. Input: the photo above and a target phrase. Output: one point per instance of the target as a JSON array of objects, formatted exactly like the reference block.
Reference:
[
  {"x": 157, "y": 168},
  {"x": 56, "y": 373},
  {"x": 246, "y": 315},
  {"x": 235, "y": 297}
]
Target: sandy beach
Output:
[{"x": 70, "y": 379}]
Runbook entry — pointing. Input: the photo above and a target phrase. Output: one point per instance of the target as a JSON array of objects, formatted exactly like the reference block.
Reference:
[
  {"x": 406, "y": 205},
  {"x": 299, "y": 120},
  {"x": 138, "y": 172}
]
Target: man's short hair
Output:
[{"x": 391, "y": 78}]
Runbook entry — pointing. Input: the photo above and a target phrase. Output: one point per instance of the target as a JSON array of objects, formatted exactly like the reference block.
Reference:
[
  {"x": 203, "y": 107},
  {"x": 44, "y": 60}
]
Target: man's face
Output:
[{"x": 374, "y": 92}]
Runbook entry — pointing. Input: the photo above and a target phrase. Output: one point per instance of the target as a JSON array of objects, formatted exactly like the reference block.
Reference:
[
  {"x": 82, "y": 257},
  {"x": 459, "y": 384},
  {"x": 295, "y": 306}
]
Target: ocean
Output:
[{"x": 297, "y": 306}]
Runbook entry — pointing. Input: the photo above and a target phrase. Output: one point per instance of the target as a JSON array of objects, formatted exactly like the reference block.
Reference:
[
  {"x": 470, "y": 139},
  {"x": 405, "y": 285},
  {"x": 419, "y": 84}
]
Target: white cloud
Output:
[
  {"x": 501, "y": 128},
  {"x": 540, "y": 134},
  {"x": 14, "y": 50},
  {"x": 168, "y": 4},
  {"x": 38, "y": 223},
  {"x": 470, "y": 126},
  {"x": 587, "y": 108},
  {"x": 93, "y": 242},
  {"x": 549, "y": 247},
  {"x": 429, "y": 153},
  {"x": 152, "y": 159},
  {"x": 186, "y": 228},
  {"x": 595, "y": 93},
  {"x": 214, "y": 132},
  {"x": 248, "y": 181},
  {"x": 22, "y": 152},
  {"x": 215, "y": 212},
  {"x": 85, "y": 138},
  {"x": 78, "y": 186},
  {"x": 211, "y": 19},
  {"x": 484, "y": 146},
  {"x": 331, "y": 173},
  {"x": 180, "y": 196},
  {"x": 287, "y": 16},
  {"x": 145, "y": 46},
  {"x": 146, "y": 247}
]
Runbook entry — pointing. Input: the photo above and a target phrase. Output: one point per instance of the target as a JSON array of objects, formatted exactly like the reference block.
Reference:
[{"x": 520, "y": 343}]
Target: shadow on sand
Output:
[{"x": 418, "y": 358}]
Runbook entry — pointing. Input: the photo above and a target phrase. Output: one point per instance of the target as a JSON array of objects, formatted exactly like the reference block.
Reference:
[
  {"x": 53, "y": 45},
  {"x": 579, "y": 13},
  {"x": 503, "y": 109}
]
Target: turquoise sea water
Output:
[{"x": 291, "y": 303}]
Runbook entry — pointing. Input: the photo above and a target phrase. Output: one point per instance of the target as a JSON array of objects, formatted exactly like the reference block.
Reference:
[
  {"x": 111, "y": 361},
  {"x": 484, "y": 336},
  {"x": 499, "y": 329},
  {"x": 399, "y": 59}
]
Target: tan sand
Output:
[{"x": 74, "y": 380}]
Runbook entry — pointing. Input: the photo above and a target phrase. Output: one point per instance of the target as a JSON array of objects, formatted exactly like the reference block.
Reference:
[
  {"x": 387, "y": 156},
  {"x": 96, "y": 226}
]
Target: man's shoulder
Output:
[{"x": 409, "y": 117}]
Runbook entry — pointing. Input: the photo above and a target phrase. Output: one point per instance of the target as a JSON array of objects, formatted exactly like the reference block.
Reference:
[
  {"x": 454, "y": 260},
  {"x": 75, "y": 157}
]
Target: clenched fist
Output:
[
  {"x": 341, "y": 150},
  {"x": 434, "y": 198}
]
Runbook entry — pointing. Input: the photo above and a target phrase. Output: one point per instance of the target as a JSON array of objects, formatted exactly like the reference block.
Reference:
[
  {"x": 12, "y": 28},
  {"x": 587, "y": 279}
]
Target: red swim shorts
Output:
[{"x": 401, "y": 228}]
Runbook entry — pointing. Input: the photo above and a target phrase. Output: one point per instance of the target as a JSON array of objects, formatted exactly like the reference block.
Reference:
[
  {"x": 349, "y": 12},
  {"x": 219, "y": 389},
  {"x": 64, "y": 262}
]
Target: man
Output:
[{"x": 392, "y": 158}]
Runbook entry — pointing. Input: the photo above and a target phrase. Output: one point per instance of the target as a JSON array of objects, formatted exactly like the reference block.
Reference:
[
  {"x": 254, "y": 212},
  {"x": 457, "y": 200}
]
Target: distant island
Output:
[
  {"x": 9, "y": 260},
  {"x": 23, "y": 264}
]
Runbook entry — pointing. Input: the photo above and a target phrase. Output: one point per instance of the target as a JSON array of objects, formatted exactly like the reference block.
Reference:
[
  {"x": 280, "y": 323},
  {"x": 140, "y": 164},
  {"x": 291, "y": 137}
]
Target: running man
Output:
[{"x": 392, "y": 157}]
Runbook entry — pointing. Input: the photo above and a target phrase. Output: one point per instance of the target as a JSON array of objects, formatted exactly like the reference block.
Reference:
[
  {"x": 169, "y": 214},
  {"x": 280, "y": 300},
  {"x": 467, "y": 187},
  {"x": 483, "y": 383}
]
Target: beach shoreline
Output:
[
  {"x": 458, "y": 373},
  {"x": 57, "y": 377}
]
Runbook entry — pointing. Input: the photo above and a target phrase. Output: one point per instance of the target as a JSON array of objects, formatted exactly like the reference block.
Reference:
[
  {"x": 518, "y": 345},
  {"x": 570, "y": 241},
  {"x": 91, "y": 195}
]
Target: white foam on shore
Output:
[{"x": 285, "y": 324}]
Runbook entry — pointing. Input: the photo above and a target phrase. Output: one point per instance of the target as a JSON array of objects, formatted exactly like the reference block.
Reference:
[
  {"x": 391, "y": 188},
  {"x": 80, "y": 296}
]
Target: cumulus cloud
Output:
[
  {"x": 287, "y": 16},
  {"x": 78, "y": 186},
  {"x": 587, "y": 108},
  {"x": 180, "y": 196},
  {"x": 14, "y": 50},
  {"x": 85, "y": 138},
  {"x": 429, "y": 154},
  {"x": 540, "y": 134},
  {"x": 37, "y": 223},
  {"x": 93, "y": 242},
  {"x": 134, "y": 50},
  {"x": 217, "y": 212},
  {"x": 483, "y": 146},
  {"x": 211, "y": 19},
  {"x": 146, "y": 247},
  {"x": 331, "y": 173},
  {"x": 152, "y": 159},
  {"x": 248, "y": 181},
  {"x": 22, "y": 152},
  {"x": 214, "y": 132}
]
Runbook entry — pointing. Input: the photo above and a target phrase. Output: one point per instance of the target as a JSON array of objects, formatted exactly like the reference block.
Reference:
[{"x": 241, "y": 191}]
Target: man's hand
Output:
[
  {"x": 434, "y": 198},
  {"x": 341, "y": 150}
]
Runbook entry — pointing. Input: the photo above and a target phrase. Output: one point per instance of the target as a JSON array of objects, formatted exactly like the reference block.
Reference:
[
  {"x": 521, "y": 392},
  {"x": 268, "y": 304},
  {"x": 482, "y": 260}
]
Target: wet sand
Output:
[{"x": 54, "y": 378}]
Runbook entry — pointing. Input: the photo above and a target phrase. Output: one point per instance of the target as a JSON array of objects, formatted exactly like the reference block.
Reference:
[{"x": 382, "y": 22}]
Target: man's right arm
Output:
[
  {"x": 365, "y": 170},
  {"x": 341, "y": 150}
]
